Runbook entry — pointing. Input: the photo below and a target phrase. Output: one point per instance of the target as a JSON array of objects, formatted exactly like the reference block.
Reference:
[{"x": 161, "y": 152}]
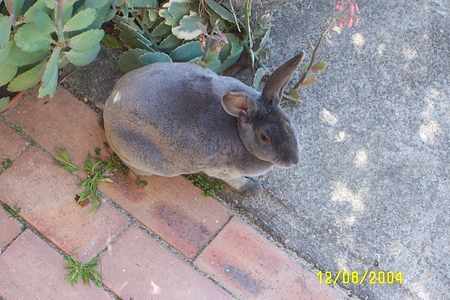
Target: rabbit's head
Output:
[{"x": 264, "y": 128}]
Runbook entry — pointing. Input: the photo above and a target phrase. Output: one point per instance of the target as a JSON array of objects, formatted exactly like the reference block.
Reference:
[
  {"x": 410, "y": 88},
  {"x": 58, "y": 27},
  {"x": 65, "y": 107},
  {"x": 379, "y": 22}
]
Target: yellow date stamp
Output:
[{"x": 359, "y": 278}]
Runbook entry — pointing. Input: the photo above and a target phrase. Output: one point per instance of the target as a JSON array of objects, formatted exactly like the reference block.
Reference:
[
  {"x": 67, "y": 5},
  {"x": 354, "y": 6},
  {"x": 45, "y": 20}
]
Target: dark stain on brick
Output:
[
  {"x": 242, "y": 278},
  {"x": 187, "y": 228}
]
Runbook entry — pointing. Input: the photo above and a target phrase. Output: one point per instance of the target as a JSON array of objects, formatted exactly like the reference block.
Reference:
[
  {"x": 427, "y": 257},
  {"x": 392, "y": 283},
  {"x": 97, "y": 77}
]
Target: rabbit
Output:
[{"x": 169, "y": 119}]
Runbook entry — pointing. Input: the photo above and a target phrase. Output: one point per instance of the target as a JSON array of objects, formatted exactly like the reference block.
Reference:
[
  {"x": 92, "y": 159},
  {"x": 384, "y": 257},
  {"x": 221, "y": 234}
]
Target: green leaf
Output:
[
  {"x": 44, "y": 23},
  {"x": 65, "y": 156},
  {"x": 186, "y": 52},
  {"x": 258, "y": 77},
  {"x": 4, "y": 52},
  {"x": 235, "y": 53},
  {"x": 97, "y": 3},
  {"x": 188, "y": 28},
  {"x": 62, "y": 61},
  {"x": 7, "y": 74},
  {"x": 5, "y": 30},
  {"x": 211, "y": 56},
  {"x": 50, "y": 78},
  {"x": 86, "y": 40},
  {"x": 27, "y": 79},
  {"x": 67, "y": 11},
  {"x": 18, "y": 5},
  {"x": 318, "y": 66},
  {"x": 247, "y": 27},
  {"x": 81, "y": 20},
  {"x": 133, "y": 38},
  {"x": 307, "y": 82},
  {"x": 214, "y": 65},
  {"x": 17, "y": 57},
  {"x": 105, "y": 180},
  {"x": 294, "y": 94},
  {"x": 265, "y": 39},
  {"x": 170, "y": 43},
  {"x": 50, "y": 3},
  {"x": 82, "y": 58},
  {"x": 174, "y": 10},
  {"x": 29, "y": 39},
  {"x": 141, "y": 3},
  {"x": 222, "y": 25},
  {"x": 161, "y": 30},
  {"x": 153, "y": 15},
  {"x": 3, "y": 102},
  {"x": 30, "y": 15},
  {"x": 110, "y": 41},
  {"x": 149, "y": 58},
  {"x": 130, "y": 59},
  {"x": 221, "y": 10}
]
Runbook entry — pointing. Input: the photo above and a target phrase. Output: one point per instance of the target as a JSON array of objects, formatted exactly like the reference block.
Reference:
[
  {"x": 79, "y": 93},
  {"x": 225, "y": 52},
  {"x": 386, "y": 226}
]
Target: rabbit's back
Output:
[{"x": 169, "y": 112}]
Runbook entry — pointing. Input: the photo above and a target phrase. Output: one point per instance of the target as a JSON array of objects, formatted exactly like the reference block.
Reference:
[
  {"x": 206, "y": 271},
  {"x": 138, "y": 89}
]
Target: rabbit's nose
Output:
[
  {"x": 290, "y": 158},
  {"x": 295, "y": 158}
]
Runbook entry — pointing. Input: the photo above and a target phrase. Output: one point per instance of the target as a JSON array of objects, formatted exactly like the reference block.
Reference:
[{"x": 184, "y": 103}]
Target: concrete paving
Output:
[{"x": 372, "y": 191}]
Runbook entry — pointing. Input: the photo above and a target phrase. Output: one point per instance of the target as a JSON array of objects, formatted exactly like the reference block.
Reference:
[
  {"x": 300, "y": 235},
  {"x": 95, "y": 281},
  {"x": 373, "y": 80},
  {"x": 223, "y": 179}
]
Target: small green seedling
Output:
[
  {"x": 6, "y": 163},
  {"x": 141, "y": 182},
  {"x": 12, "y": 212},
  {"x": 80, "y": 96},
  {"x": 86, "y": 271},
  {"x": 209, "y": 188},
  {"x": 95, "y": 168},
  {"x": 17, "y": 127}
]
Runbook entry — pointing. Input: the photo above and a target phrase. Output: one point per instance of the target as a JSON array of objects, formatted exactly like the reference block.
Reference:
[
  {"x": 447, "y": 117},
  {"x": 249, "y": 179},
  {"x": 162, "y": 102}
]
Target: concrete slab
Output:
[
  {"x": 372, "y": 189},
  {"x": 373, "y": 183}
]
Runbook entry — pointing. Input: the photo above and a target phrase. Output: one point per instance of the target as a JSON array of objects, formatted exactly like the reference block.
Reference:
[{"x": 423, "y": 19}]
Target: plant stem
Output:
[
  {"x": 144, "y": 28},
  {"x": 60, "y": 28},
  {"x": 314, "y": 54},
  {"x": 10, "y": 7}
]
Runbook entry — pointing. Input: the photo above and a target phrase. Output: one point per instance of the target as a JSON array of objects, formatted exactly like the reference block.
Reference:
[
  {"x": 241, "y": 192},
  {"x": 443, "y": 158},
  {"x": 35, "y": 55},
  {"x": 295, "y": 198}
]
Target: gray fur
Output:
[{"x": 169, "y": 119}]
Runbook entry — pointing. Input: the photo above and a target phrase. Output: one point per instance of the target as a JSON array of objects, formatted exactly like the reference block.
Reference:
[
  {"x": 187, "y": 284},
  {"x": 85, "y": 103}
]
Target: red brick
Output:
[
  {"x": 11, "y": 144},
  {"x": 137, "y": 266},
  {"x": 251, "y": 267},
  {"x": 31, "y": 269},
  {"x": 9, "y": 228},
  {"x": 46, "y": 193},
  {"x": 61, "y": 122},
  {"x": 172, "y": 207}
]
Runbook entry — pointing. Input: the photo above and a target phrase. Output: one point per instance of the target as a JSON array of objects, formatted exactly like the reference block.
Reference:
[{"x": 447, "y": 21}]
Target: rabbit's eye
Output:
[{"x": 264, "y": 138}]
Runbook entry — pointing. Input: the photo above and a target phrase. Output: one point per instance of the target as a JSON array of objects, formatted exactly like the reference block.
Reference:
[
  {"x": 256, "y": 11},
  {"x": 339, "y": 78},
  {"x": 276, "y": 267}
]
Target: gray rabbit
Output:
[{"x": 169, "y": 119}]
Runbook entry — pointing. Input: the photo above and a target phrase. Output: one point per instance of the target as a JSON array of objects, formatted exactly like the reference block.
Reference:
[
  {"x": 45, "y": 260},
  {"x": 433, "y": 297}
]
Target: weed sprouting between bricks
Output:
[
  {"x": 86, "y": 271},
  {"x": 96, "y": 169},
  {"x": 209, "y": 188}
]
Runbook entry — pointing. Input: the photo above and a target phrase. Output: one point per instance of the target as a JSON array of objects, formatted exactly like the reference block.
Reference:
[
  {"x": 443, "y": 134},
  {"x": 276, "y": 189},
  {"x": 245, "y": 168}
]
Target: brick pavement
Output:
[{"x": 162, "y": 241}]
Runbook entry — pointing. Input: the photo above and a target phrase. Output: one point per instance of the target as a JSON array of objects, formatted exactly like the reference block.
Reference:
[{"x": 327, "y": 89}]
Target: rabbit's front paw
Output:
[{"x": 251, "y": 189}]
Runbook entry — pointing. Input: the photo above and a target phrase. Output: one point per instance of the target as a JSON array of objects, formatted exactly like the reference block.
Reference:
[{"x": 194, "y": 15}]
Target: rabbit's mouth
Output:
[{"x": 288, "y": 160}]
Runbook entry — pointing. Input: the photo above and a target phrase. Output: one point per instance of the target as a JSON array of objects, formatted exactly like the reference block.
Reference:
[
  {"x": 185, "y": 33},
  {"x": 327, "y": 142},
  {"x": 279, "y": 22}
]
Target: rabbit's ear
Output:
[
  {"x": 239, "y": 104},
  {"x": 273, "y": 90}
]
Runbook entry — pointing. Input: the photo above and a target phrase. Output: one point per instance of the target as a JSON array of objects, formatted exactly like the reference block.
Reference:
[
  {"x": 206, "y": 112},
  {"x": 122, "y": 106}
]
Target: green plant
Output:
[
  {"x": 17, "y": 127},
  {"x": 141, "y": 182},
  {"x": 6, "y": 163},
  {"x": 38, "y": 37},
  {"x": 86, "y": 271},
  {"x": 307, "y": 77},
  {"x": 13, "y": 212},
  {"x": 171, "y": 32},
  {"x": 209, "y": 188},
  {"x": 95, "y": 169}
]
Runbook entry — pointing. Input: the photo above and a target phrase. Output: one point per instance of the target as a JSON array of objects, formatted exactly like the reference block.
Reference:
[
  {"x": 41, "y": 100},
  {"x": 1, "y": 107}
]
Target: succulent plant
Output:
[
  {"x": 39, "y": 37},
  {"x": 173, "y": 31}
]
